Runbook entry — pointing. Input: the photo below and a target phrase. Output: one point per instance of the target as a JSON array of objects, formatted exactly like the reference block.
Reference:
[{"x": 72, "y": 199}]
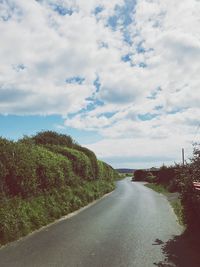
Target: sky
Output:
[{"x": 120, "y": 76}]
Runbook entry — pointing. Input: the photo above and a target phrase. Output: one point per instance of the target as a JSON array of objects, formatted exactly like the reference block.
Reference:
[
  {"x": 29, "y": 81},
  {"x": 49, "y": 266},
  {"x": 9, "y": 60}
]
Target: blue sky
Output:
[
  {"x": 116, "y": 75},
  {"x": 14, "y": 127}
]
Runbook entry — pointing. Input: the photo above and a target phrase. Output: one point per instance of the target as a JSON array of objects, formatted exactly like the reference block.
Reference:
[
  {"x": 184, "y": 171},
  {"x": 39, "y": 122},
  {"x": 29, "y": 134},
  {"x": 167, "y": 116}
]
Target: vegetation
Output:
[
  {"x": 190, "y": 197},
  {"x": 45, "y": 177},
  {"x": 179, "y": 178},
  {"x": 157, "y": 187},
  {"x": 179, "y": 210},
  {"x": 125, "y": 171},
  {"x": 175, "y": 202},
  {"x": 139, "y": 175}
]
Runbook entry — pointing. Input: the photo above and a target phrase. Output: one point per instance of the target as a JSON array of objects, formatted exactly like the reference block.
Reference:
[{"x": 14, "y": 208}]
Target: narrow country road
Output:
[{"x": 126, "y": 228}]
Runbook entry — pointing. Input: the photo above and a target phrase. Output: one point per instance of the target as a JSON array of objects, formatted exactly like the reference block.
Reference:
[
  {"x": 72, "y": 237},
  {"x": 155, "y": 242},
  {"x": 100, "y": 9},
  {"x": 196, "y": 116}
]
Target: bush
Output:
[
  {"x": 43, "y": 178},
  {"x": 19, "y": 169},
  {"x": 27, "y": 169},
  {"x": 92, "y": 158},
  {"x": 150, "y": 178},
  {"x": 139, "y": 175},
  {"x": 190, "y": 198},
  {"x": 49, "y": 138},
  {"x": 106, "y": 172},
  {"x": 166, "y": 175},
  {"x": 81, "y": 164},
  {"x": 173, "y": 186},
  {"x": 53, "y": 170}
]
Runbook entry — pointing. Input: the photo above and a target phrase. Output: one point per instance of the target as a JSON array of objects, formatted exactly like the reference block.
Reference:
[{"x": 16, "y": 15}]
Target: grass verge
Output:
[
  {"x": 158, "y": 188},
  {"x": 178, "y": 210},
  {"x": 19, "y": 217}
]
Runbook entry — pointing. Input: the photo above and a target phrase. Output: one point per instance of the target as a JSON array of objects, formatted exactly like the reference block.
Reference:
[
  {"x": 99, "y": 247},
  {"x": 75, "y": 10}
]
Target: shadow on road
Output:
[{"x": 181, "y": 251}]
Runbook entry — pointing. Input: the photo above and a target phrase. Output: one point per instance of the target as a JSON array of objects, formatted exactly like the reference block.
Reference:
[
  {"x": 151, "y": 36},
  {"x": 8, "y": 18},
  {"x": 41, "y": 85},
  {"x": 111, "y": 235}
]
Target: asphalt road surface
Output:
[{"x": 126, "y": 228}]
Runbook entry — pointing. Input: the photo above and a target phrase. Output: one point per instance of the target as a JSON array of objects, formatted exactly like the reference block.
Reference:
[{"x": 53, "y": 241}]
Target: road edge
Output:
[{"x": 65, "y": 217}]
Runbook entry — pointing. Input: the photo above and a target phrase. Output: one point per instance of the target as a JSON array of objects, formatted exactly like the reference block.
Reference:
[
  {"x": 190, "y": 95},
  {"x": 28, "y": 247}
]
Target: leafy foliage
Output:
[
  {"x": 80, "y": 162},
  {"x": 106, "y": 172},
  {"x": 92, "y": 157},
  {"x": 26, "y": 170},
  {"x": 180, "y": 178},
  {"x": 165, "y": 176},
  {"x": 21, "y": 216},
  {"x": 44, "y": 177},
  {"x": 190, "y": 197},
  {"x": 139, "y": 175},
  {"x": 49, "y": 138}
]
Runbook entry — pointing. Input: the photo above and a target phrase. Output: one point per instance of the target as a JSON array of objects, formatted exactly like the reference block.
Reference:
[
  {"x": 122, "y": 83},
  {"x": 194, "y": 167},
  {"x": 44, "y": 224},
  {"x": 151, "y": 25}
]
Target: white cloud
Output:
[
  {"x": 151, "y": 101},
  {"x": 52, "y": 48}
]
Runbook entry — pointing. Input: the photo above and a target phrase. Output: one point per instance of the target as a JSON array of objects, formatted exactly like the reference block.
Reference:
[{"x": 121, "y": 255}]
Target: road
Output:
[{"x": 126, "y": 228}]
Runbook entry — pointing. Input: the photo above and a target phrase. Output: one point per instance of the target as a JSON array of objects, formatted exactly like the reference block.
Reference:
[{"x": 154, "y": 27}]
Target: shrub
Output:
[
  {"x": 81, "y": 164},
  {"x": 150, "y": 178},
  {"x": 51, "y": 138},
  {"x": 53, "y": 170},
  {"x": 43, "y": 178},
  {"x": 26, "y": 169},
  {"x": 106, "y": 172},
  {"x": 190, "y": 198},
  {"x": 139, "y": 175},
  {"x": 19, "y": 169},
  {"x": 166, "y": 175},
  {"x": 92, "y": 158}
]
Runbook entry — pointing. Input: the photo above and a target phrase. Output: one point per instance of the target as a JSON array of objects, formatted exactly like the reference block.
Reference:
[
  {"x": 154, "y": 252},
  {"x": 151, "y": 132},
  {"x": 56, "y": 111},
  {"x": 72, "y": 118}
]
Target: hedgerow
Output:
[
  {"x": 180, "y": 178},
  {"x": 81, "y": 164},
  {"x": 45, "y": 177}
]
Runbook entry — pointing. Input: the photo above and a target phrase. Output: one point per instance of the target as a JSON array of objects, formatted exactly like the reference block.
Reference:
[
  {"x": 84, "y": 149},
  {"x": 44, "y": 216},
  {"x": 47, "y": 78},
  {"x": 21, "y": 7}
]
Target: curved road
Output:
[{"x": 123, "y": 229}]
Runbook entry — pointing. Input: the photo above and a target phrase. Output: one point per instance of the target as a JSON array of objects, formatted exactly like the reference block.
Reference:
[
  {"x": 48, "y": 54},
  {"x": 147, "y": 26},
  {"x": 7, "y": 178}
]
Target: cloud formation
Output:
[
  {"x": 128, "y": 71},
  {"x": 45, "y": 43}
]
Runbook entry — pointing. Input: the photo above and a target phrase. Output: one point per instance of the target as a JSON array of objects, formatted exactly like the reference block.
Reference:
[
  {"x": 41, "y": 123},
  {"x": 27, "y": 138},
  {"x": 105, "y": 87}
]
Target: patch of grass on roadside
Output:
[
  {"x": 19, "y": 217},
  {"x": 178, "y": 210},
  {"x": 157, "y": 187}
]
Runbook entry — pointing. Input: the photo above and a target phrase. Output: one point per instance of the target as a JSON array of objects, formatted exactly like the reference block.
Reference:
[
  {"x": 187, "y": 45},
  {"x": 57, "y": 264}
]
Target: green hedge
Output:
[
  {"x": 42, "y": 178},
  {"x": 27, "y": 169},
  {"x": 190, "y": 197},
  {"x": 52, "y": 138},
  {"x": 81, "y": 164},
  {"x": 106, "y": 172},
  {"x": 92, "y": 157},
  {"x": 21, "y": 216}
]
